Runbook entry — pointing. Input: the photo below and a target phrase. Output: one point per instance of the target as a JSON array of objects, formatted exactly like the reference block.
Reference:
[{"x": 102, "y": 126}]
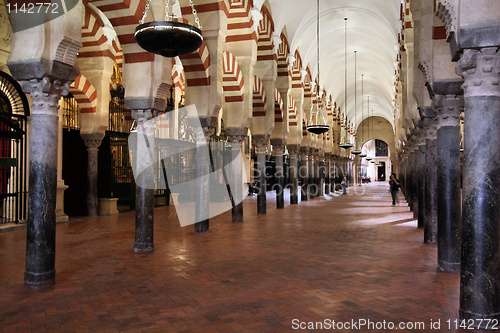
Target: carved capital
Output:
[
  {"x": 481, "y": 71},
  {"x": 260, "y": 142},
  {"x": 92, "y": 141},
  {"x": 448, "y": 109},
  {"x": 293, "y": 150},
  {"x": 45, "y": 93}
]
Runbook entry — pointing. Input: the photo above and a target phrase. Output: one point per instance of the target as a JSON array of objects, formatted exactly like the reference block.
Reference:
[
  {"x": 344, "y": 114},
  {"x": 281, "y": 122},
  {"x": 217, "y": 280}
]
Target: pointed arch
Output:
[
  {"x": 232, "y": 79},
  {"x": 85, "y": 94}
]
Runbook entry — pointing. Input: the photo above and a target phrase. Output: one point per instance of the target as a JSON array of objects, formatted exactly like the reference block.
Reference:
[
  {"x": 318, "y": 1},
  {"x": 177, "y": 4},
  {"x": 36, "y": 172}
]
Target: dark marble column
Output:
[
  {"x": 260, "y": 142},
  {"x": 293, "y": 151},
  {"x": 92, "y": 141},
  {"x": 41, "y": 225},
  {"x": 313, "y": 159},
  {"x": 328, "y": 179},
  {"x": 448, "y": 109},
  {"x": 144, "y": 191},
  {"x": 421, "y": 181},
  {"x": 321, "y": 173},
  {"x": 480, "y": 261},
  {"x": 303, "y": 173},
  {"x": 416, "y": 156},
  {"x": 278, "y": 150},
  {"x": 203, "y": 168},
  {"x": 236, "y": 136},
  {"x": 431, "y": 199}
]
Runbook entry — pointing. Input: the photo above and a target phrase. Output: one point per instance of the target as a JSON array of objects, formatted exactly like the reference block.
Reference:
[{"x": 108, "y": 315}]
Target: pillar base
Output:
[
  {"x": 143, "y": 247},
  {"x": 108, "y": 206},
  {"x": 475, "y": 319},
  {"x": 449, "y": 267},
  {"x": 39, "y": 280},
  {"x": 237, "y": 213},
  {"x": 201, "y": 227}
]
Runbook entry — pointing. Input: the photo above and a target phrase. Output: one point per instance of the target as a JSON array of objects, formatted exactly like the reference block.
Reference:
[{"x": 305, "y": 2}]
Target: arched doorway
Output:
[{"x": 14, "y": 112}]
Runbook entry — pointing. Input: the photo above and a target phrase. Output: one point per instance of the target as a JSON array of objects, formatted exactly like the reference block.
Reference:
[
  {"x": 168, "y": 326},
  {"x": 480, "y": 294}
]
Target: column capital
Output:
[
  {"x": 236, "y": 134},
  {"x": 260, "y": 141},
  {"x": 448, "y": 109},
  {"x": 430, "y": 124},
  {"x": 45, "y": 93},
  {"x": 481, "y": 71},
  {"x": 92, "y": 140},
  {"x": 293, "y": 150}
]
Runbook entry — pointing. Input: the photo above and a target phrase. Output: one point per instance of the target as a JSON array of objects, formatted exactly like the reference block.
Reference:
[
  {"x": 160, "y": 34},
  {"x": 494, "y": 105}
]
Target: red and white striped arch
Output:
[
  {"x": 94, "y": 42},
  {"x": 124, "y": 15},
  {"x": 278, "y": 107},
  {"x": 283, "y": 52},
  {"x": 292, "y": 112},
  {"x": 240, "y": 22},
  {"x": 178, "y": 79},
  {"x": 307, "y": 84},
  {"x": 85, "y": 94},
  {"x": 265, "y": 44},
  {"x": 197, "y": 67},
  {"x": 232, "y": 79},
  {"x": 259, "y": 99},
  {"x": 296, "y": 76}
]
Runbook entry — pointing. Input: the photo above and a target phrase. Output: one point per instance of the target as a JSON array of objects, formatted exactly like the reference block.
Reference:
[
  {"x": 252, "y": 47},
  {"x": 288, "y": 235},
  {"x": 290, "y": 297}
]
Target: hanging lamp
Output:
[
  {"x": 356, "y": 151},
  {"x": 318, "y": 125},
  {"x": 168, "y": 38},
  {"x": 346, "y": 144},
  {"x": 362, "y": 115},
  {"x": 369, "y": 158}
]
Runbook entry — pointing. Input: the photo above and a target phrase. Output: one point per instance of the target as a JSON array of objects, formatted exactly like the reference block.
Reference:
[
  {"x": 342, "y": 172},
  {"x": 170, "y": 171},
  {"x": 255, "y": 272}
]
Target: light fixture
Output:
[
  {"x": 345, "y": 144},
  {"x": 362, "y": 115},
  {"x": 318, "y": 125},
  {"x": 168, "y": 38},
  {"x": 356, "y": 151}
]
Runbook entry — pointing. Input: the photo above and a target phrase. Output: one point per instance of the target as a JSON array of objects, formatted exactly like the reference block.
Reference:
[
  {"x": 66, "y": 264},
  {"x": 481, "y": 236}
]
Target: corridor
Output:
[{"x": 343, "y": 258}]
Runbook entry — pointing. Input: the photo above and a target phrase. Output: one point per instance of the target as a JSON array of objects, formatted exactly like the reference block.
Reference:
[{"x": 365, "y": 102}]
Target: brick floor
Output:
[{"x": 340, "y": 258}]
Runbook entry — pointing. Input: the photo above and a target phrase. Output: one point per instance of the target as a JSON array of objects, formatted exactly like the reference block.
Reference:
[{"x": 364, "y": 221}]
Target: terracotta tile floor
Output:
[{"x": 339, "y": 258}]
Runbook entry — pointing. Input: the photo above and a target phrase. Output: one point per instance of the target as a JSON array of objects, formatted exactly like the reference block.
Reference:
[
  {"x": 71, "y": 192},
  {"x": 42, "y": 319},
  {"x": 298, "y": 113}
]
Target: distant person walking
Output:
[{"x": 394, "y": 185}]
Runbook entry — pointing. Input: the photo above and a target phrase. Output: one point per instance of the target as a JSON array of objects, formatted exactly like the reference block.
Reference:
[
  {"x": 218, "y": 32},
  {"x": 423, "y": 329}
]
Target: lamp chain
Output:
[
  {"x": 145, "y": 12},
  {"x": 166, "y": 10},
  {"x": 195, "y": 14}
]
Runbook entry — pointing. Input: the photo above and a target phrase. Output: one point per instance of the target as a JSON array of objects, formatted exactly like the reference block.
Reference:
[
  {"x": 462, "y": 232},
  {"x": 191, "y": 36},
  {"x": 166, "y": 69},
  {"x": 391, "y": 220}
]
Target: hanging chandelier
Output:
[
  {"x": 356, "y": 151},
  {"x": 168, "y": 38},
  {"x": 318, "y": 125},
  {"x": 345, "y": 144},
  {"x": 369, "y": 158}
]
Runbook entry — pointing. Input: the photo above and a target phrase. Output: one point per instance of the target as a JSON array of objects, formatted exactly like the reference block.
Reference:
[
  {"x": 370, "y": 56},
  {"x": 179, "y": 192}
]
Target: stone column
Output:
[
  {"x": 260, "y": 142},
  {"x": 480, "y": 264},
  {"x": 278, "y": 150},
  {"x": 236, "y": 136},
  {"x": 144, "y": 189},
  {"x": 421, "y": 179},
  {"x": 41, "y": 224},
  {"x": 293, "y": 151},
  {"x": 448, "y": 109},
  {"x": 416, "y": 157},
  {"x": 320, "y": 173},
  {"x": 328, "y": 179},
  {"x": 431, "y": 200},
  {"x": 92, "y": 141},
  {"x": 203, "y": 168},
  {"x": 303, "y": 173},
  {"x": 311, "y": 173}
]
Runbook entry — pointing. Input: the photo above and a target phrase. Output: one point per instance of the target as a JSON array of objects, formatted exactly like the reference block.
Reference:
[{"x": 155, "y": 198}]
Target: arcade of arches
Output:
[{"x": 412, "y": 84}]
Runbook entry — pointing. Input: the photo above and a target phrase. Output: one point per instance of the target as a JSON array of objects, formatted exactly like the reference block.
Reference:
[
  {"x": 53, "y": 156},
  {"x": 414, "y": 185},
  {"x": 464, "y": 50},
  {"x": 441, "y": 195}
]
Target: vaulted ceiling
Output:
[{"x": 372, "y": 31}]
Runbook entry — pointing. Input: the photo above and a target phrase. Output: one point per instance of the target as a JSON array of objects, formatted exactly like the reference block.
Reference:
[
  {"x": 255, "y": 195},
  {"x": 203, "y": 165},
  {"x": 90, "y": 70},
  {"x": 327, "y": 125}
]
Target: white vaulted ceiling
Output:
[{"x": 372, "y": 30}]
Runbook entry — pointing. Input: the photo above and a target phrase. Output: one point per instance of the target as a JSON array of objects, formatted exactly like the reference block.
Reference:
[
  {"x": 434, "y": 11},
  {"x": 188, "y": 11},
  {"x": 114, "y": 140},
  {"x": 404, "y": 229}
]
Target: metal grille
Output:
[
  {"x": 71, "y": 116},
  {"x": 14, "y": 110}
]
